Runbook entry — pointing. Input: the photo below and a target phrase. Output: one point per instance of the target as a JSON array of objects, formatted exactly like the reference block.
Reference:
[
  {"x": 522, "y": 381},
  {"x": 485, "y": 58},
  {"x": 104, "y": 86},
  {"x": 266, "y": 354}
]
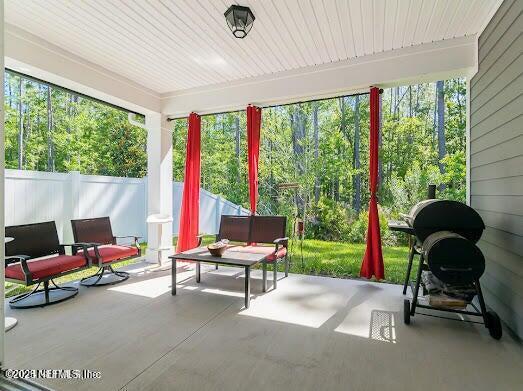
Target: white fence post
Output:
[
  {"x": 76, "y": 195},
  {"x": 73, "y": 211}
]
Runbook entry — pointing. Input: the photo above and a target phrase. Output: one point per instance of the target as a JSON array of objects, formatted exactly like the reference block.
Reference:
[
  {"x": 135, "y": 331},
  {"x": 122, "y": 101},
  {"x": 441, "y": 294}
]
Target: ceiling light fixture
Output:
[{"x": 240, "y": 20}]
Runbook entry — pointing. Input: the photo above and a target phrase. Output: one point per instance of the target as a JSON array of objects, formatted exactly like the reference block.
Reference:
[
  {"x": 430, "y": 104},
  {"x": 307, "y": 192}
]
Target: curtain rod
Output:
[
  {"x": 277, "y": 105},
  {"x": 25, "y": 76}
]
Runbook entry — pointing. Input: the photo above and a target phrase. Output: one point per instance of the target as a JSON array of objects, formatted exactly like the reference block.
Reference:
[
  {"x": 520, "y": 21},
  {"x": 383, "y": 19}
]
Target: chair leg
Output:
[
  {"x": 97, "y": 277},
  {"x": 286, "y": 266},
  {"x": 216, "y": 267},
  {"x": 43, "y": 297}
]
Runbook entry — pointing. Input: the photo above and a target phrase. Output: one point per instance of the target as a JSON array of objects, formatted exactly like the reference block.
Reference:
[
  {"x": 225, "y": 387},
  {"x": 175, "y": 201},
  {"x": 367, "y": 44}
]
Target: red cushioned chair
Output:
[
  {"x": 103, "y": 250},
  {"x": 35, "y": 256},
  {"x": 260, "y": 231}
]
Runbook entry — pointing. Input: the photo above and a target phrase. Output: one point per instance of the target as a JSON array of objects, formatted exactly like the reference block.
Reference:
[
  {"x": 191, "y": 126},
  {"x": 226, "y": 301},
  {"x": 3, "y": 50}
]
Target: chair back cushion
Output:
[
  {"x": 235, "y": 228},
  {"x": 96, "y": 230},
  {"x": 34, "y": 240},
  {"x": 265, "y": 229}
]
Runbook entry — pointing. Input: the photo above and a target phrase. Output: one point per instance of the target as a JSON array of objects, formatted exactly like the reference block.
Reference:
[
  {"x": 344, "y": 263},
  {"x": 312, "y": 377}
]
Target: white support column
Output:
[{"x": 159, "y": 185}]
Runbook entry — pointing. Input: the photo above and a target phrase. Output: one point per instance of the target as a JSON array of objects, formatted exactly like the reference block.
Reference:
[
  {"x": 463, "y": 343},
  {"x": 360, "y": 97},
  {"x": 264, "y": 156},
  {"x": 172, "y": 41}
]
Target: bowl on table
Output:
[{"x": 217, "y": 249}]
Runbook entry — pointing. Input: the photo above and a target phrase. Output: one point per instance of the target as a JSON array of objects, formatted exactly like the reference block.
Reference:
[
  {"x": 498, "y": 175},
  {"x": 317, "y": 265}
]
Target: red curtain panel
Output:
[
  {"x": 189, "y": 216},
  {"x": 253, "y": 152},
  {"x": 372, "y": 264}
]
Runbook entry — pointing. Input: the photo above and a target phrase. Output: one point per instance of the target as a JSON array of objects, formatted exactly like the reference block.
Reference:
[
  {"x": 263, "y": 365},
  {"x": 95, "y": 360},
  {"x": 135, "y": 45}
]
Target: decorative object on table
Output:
[
  {"x": 218, "y": 248},
  {"x": 240, "y": 20}
]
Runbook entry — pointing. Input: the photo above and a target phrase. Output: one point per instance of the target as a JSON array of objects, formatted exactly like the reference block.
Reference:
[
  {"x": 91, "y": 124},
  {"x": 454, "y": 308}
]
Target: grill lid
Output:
[{"x": 452, "y": 258}]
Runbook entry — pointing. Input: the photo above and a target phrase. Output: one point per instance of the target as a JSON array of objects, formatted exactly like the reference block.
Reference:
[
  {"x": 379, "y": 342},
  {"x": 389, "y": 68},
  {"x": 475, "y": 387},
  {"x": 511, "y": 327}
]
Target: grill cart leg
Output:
[
  {"x": 491, "y": 319},
  {"x": 409, "y": 268},
  {"x": 416, "y": 288},
  {"x": 406, "y": 311}
]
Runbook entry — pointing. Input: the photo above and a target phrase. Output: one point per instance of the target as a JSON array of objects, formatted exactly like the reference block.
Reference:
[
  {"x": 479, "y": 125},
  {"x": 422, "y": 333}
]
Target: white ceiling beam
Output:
[
  {"x": 35, "y": 57},
  {"x": 415, "y": 64}
]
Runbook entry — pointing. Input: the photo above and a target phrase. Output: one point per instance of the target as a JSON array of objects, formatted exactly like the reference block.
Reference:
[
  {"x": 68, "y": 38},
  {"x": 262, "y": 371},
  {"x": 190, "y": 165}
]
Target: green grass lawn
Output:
[{"x": 334, "y": 259}]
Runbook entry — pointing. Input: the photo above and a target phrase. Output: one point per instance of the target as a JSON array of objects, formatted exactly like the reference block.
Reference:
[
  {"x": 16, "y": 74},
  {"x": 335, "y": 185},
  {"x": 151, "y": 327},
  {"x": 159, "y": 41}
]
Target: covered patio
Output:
[
  {"x": 165, "y": 60},
  {"x": 310, "y": 333}
]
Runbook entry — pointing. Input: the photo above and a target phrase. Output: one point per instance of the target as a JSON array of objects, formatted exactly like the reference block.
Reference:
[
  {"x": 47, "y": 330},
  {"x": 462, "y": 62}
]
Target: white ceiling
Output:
[{"x": 171, "y": 45}]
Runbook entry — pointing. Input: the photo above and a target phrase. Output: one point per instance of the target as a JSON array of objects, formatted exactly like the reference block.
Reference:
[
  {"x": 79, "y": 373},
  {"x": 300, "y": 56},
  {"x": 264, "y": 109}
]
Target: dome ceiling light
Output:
[{"x": 240, "y": 20}]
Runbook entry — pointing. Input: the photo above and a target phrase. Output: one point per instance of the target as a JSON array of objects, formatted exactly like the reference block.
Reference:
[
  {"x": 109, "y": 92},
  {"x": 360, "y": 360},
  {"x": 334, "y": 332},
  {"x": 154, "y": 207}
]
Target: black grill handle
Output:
[{"x": 456, "y": 269}]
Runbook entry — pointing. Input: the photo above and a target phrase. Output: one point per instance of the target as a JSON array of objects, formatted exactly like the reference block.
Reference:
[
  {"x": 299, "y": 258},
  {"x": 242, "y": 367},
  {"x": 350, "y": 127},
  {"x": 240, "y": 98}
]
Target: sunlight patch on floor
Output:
[
  {"x": 150, "y": 288},
  {"x": 308, "y": 305}
]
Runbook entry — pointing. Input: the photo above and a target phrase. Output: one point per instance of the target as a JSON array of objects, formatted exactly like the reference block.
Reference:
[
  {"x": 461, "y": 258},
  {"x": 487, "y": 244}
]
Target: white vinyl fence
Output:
[{"x": 33, "y": 196}]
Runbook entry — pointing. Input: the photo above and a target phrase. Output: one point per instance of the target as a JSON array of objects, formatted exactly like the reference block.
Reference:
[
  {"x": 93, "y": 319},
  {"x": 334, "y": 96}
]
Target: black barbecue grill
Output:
[{"x": 446, "y": 233}]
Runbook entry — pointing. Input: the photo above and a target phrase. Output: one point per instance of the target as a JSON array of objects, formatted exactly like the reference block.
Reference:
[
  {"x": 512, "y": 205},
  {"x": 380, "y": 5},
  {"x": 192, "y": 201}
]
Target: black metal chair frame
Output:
[
  {"x": 104, "y": 268},
  {"x": 62, "y": 292},
  {"x": 278, "y": 243}
]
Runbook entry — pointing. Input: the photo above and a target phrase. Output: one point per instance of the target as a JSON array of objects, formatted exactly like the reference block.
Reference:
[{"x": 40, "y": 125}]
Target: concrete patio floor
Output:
[{"x": 311, "y": 333}]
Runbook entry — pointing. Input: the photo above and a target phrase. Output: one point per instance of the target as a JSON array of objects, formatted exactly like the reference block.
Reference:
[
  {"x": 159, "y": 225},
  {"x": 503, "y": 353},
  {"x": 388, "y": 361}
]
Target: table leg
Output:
[
  {"x": 247, "y": 286},
  {"x": 173, "y": 277},
  {"x": 275, "y": 274},
  {"x": 197, "y": 271},
  {"x": 264, "y": 282}
]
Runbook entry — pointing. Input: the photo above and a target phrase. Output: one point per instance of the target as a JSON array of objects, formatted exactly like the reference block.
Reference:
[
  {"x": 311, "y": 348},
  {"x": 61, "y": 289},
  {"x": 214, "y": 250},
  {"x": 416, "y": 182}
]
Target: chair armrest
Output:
[
  {"x": 16, "y": 258},
  {"x": 280, "y": 241},
  {"x": 23, "y": 263},
  {"x": 135, "y": 237},
  {"x": 200, "y": 239},
  {"x": 76, "y": 246}
]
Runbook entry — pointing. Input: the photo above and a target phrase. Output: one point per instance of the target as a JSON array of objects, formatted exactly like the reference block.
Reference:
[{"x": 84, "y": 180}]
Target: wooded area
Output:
[
  {"x": 313, "y": 160},
  {"x": 323, "y": 147},
  {"x": 48, "y": 129}
]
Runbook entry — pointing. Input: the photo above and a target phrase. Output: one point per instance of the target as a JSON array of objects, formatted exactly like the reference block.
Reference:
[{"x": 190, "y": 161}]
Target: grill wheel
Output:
[{"x": 494, "y": 325}]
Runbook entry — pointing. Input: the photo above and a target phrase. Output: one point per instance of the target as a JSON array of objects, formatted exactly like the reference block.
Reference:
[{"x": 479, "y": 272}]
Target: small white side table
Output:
[
  {"x": 159, "y": 220},
  {"x": 10, "y": 322}
]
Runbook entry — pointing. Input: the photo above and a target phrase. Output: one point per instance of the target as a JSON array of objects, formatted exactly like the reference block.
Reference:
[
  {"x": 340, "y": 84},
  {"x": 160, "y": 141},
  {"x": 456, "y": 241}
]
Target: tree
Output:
[
  {"x": 356, "y": 161},
  {"x": 441, "y": 127},
  {"x": 316, "y": 138},
  {"x": 20, "y": 127},
  {"x": 50, "y": 149}
]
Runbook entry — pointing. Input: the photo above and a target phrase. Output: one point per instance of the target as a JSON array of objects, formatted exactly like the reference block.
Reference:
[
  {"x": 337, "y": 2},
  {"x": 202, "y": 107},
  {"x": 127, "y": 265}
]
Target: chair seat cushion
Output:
[
  {"x": 46, "y": 267},
  {"x": 113, "y": 252},
  {"x": 282, "y": 251}
]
